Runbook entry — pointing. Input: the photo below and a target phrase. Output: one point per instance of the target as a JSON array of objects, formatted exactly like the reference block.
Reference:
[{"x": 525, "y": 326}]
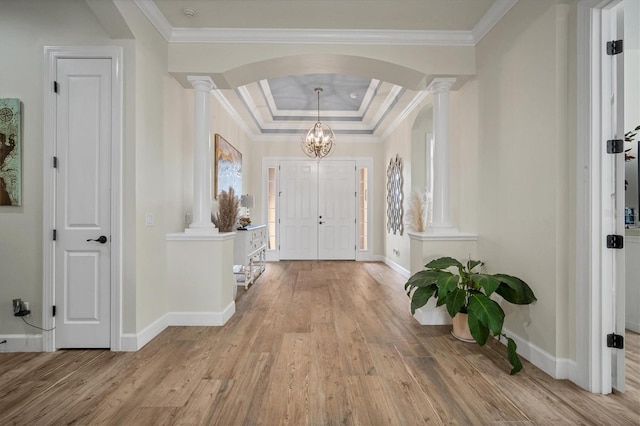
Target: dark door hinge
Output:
[
  {"x": 53, "y": 311},
  {"x": 614, "y": 47},
  {"x": 55, "y": 162},
  {"x": 615, "y": 341},
  {"x": 615, "y": 241},
  {"x": 55, "y": 235},
  {"x": 55, "y": 86},
  {"x": 615, "y": 146}
]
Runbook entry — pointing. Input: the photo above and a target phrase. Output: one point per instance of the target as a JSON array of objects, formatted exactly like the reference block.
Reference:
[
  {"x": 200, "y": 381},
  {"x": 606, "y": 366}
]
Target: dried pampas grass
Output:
[
  {"x": 416, "y": 213},
  {"x": 228, "y": 211}
]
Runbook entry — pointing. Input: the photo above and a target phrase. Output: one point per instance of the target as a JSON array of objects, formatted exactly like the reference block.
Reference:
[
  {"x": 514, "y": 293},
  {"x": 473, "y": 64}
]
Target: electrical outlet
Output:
[
  {"x": 26, "y": 308},
  {"x": 20, "y": 308}
]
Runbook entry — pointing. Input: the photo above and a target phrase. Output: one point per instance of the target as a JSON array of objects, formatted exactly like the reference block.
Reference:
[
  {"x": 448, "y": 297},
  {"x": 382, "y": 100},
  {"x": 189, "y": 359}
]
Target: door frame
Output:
[
  {"x": 594, "y": 300},
  {"x": 51, "y": 55}
]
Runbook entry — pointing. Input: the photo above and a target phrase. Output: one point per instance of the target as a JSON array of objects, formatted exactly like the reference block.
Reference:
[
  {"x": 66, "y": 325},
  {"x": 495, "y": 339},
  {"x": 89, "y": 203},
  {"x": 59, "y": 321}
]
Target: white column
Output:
[
  {"x": 201, "y": 223},
  {"x": 441, "y": 218}
]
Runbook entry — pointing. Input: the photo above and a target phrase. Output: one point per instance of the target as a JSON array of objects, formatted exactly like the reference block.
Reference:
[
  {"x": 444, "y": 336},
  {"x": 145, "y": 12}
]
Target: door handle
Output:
[{"x": 101, "y": 239}]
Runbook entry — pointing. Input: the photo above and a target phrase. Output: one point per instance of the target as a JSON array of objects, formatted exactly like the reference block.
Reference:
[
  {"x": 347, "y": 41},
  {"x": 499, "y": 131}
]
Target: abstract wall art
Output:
[{"x": 228, "y": 167}]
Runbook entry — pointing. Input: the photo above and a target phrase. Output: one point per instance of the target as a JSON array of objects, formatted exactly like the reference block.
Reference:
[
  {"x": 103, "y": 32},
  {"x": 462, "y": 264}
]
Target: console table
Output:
[{"x": 249, "y": 250}]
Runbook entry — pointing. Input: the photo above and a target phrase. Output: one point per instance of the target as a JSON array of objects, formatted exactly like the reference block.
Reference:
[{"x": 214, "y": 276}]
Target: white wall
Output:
[
  {"x": 25, "y": 28},
  {"x": 526, "y": 166}
]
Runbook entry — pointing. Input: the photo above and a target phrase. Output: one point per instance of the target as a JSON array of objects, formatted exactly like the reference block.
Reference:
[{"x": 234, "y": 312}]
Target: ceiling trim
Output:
[
  {"x": 156, "y": 17},
  {"x": 415, "y": 102},
  {"x": 324, "y": 36},
  {"x": 321, "y": 36},
  {"x": 491, "y": 18}
]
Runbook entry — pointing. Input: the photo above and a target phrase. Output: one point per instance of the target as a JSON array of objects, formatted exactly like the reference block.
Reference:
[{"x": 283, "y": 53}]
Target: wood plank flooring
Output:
[{"x": 311, "y": 343}]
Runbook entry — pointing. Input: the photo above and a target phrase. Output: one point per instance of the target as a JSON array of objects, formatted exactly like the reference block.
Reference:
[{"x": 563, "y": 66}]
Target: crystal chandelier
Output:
[{"x": 320, "y": 140}]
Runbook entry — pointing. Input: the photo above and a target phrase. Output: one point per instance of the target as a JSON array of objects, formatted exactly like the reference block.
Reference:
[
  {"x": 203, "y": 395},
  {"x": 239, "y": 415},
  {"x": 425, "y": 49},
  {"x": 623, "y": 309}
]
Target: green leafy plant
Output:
[{"x": 469, "y": 292}]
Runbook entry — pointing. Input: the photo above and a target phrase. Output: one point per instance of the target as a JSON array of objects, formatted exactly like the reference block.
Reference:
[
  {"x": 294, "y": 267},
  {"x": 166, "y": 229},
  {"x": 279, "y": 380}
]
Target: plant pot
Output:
[{"x": 461, "y": 328}]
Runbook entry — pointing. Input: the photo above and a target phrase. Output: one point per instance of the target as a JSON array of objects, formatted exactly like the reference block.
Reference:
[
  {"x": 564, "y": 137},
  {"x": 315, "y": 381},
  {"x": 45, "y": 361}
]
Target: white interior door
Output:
[
  {"x": 610, "y": 196},
  {"x": 83, "y": 151},
  {"x": 618, "y": 198},
  {"x": 337, "y": 210},
  {"x": 298, "y": 210}
]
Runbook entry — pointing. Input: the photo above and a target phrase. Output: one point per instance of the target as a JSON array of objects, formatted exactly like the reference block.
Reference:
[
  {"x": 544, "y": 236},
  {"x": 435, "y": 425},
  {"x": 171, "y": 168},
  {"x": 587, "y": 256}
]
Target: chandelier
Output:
[{"x": 320, "y": 140}]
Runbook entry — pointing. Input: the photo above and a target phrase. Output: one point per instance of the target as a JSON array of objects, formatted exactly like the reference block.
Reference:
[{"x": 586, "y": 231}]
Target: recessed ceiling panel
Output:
[{"x": 339, "y": 92}]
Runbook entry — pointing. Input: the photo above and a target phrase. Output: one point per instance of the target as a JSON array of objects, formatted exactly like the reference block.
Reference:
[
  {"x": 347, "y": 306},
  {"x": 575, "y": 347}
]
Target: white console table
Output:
[{"x": 249, "y": 250}]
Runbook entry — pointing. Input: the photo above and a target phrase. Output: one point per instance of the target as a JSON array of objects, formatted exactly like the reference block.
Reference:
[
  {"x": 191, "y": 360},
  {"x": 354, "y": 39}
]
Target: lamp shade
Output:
[{"x": 246, "y": 201}]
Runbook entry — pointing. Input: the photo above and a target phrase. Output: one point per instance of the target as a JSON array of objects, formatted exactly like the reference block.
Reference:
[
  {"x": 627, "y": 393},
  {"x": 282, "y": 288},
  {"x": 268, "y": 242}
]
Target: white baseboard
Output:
[
  {"x": 21, "y": 343},
  {"x": 431, "y": 315},
  {"x": 402, "y": 271},
  {"x": 558, "y": 368},
  {"x": 630, "y": 325},
  {"x": 133, "y": 342},
  {"x": 201, "y": 318}
]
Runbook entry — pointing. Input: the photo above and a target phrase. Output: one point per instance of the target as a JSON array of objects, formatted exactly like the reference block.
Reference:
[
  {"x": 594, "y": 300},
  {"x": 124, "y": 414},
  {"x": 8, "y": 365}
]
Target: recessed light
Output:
[{"x": 189, "y": 13}]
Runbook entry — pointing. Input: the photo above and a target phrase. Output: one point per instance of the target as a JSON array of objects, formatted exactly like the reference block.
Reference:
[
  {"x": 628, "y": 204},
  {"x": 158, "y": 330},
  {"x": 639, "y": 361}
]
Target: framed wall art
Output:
[
  {"x": 228, "y": 167},
  {"x": 395, "y": 197},
  {"x": 10, "y": 152}
]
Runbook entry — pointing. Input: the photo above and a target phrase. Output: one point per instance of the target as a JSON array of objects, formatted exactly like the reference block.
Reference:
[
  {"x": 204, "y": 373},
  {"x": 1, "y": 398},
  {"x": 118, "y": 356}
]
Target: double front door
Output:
[{"x": 317, "y": 209}]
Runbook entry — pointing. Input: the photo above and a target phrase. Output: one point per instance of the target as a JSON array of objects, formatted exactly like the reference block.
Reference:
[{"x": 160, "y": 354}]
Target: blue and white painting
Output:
[{"x": 228, "y": 165}]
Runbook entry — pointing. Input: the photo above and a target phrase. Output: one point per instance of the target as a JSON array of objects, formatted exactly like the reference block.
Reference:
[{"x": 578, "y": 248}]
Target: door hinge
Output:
[
  {"x": 614, "y": 47},
  {"x": 55, "y": 86},
  {"x": 53, "y": 311},
  {"x": 55, "y": 235},
  {"x": 615, "y": 146},
  {"x": 55, "y": 162},
  {"x": 615, "y": 241},
  {"x": 615, "y": 341}
]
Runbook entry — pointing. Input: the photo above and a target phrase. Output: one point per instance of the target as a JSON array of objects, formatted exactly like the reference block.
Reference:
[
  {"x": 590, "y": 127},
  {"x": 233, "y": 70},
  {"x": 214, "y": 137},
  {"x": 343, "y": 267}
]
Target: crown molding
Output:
[
  {"x": 491, "y": 18},
  {"x": 156, "y": 17},
  {"x": 321, "y": 36},
  {"x": 415, "y": 102}
]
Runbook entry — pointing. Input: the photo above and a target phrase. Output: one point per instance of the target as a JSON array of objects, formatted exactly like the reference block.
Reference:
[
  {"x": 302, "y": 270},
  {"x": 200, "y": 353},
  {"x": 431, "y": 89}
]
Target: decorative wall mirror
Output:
[{"x": 394, "y": 196}]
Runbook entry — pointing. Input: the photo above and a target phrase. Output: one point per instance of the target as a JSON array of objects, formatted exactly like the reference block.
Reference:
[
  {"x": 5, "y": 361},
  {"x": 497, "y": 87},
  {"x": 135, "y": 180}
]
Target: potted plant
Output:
[{"x": 469, "y": 293}]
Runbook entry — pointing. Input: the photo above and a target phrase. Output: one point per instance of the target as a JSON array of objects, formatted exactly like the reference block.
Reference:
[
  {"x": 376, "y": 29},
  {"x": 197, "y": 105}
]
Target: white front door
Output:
[
  {"x": 317, "y": 210},
  {"x": 83, "y": 194},
  {"x": 337, "y": 210},
  {"x": 298, "y": 210}
]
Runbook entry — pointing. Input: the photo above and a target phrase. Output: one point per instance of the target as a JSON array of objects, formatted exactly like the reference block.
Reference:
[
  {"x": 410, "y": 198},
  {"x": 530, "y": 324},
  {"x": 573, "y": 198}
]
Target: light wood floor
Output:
[{"x": 311, "y": 343}]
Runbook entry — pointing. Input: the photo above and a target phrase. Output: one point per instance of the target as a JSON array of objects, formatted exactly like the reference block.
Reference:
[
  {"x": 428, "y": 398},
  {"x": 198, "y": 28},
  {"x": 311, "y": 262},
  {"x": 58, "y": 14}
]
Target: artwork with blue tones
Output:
[{"x": 228, "y": 167}]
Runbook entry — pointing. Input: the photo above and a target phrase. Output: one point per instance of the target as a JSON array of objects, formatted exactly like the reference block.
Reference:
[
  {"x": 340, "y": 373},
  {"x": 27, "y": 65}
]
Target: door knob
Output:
[
  {"x": 321, "y": 222},
  {"x": 101, "y": 239}
]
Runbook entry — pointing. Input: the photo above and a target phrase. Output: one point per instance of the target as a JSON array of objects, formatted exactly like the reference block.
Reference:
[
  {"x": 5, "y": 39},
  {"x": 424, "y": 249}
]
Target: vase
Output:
[{"x": 461, "y": 328}]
